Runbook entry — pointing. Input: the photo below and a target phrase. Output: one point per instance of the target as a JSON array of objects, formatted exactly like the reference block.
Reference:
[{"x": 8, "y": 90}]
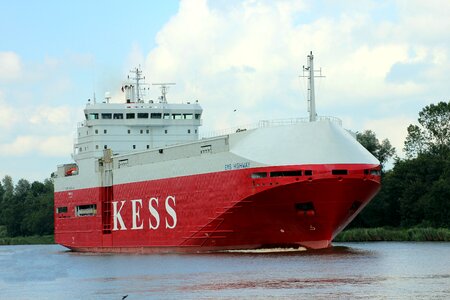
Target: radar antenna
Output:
[
  {"x": 164, "y": 90},
  {"x": 311, "y": 95}
]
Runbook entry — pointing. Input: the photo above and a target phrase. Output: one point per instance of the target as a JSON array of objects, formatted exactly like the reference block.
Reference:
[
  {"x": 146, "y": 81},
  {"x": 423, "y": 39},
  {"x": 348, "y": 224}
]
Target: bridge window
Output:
[
  {"x": 197, "y": 116},
  {"x": 93, "y": 116},
  {"x": 141, "y": 131},
  {"x": 308, "y": 172},
  {"x": 86, "y": 210},
  {"x": 166, "y": 116},
  {"x": 189, "y": 131},
  {"x": 96, "y": 131},
  {"x": 187, "y": 116},
  {"x": 176, "y": 116},
  {"x": 155, "y": 116},
  {"x": 105, "y": 131},
  {"x": 106, "y": 116},
  {"x": 118, "y": 116},
  {"x": 130, "y": 115},
  {"x": 142, "y": 115}
]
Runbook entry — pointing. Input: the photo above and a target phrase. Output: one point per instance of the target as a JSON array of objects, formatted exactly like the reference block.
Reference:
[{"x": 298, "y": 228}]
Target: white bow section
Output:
[{"x": 321, "y": 142}]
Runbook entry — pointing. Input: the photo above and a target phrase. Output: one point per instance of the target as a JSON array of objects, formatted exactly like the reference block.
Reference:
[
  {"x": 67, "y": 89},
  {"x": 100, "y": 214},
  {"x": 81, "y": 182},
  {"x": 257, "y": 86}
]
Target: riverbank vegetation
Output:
[
  {"x": 413, "y": 204},
  {"x": 28, "y": 240},
  {"x": 394, "y": 234}
]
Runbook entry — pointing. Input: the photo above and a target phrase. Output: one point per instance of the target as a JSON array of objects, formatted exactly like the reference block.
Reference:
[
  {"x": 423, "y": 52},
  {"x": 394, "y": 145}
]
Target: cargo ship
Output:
[{"x": 143, "y": 181}]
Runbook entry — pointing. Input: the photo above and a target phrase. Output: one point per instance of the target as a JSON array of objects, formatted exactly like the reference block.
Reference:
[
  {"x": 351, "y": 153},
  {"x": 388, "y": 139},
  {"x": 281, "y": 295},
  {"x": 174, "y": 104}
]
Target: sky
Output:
[{"x": 383, "y": 61}]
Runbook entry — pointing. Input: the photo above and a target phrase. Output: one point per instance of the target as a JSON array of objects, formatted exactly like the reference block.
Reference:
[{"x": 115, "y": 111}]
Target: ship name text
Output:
[
  {"x": 139, "y": 208},
  {"x": 237, "y": 165}
]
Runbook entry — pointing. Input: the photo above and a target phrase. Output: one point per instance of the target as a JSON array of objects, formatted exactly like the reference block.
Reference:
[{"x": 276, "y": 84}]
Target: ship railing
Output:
[{"x": 268, "y": 123}]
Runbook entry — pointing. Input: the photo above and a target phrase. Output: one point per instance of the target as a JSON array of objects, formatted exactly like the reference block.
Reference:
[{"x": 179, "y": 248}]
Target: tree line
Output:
[
  {"x": 415, "y": 192},
  {"x": 26, "y": 208}
]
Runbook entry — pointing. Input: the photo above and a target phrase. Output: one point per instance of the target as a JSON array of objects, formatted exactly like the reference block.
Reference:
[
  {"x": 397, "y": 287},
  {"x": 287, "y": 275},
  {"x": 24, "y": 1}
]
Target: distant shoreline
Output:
[
  {"x": 394, "y": 235},
  {"x": 28, "y": 240},
  {"x": 350, "y": 235}
]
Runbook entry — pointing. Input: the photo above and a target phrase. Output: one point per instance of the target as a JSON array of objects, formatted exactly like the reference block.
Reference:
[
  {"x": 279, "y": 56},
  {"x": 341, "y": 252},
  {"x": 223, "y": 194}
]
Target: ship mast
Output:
[
  {"x": 138, "y": 74},
  {"x": 311, "y": 95}
]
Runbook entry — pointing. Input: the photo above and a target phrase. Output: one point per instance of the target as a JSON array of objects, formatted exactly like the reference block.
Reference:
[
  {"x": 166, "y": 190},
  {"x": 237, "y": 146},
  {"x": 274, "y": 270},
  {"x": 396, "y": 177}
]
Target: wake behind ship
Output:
[{"x": 143, "y": 181}]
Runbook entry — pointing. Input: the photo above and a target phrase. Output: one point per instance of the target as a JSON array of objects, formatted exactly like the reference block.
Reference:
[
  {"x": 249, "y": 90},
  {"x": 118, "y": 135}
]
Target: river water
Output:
[{"x": 347, "y": 271}]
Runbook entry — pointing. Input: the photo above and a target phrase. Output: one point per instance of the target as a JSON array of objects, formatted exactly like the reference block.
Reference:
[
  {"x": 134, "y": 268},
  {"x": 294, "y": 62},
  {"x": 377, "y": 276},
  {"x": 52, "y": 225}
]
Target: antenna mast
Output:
[
  {"x": 138, "y": 77},
  {"x": 311, "y": 94}
]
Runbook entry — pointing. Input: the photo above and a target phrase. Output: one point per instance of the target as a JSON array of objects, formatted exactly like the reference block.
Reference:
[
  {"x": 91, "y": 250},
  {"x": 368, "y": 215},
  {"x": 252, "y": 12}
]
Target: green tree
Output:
[
  {"x": 8, "y": 187},
  {"x": 2, "y": 192},
  {"x": 382, "y": 151},
  {"x": 7, "y": 195},
  {"x": 415, "y": 142},
  {"x": 433, "y": 134},
  {"x": 40, "y": 210}
]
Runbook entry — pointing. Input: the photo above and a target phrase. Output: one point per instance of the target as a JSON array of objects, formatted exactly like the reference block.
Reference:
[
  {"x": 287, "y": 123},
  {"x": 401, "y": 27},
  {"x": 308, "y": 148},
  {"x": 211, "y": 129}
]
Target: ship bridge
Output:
[{"x": 135, "y": 125}]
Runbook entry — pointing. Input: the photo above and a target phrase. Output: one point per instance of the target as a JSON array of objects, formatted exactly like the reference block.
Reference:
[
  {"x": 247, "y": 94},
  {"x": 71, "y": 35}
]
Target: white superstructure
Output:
[{"x": 135, "y": 125}]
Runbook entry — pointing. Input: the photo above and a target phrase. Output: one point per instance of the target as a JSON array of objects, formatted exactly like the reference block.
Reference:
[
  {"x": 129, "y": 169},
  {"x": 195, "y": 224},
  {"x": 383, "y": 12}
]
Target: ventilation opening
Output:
[
  {"x": 86, "y": 210},
  {"x": 375, "y": 172},
  {"x": 305, "y": 209},
  {"x": 259, "y": 175},
  {"x": 62, "y": 209},
  {"x": 285, "y": 173},
  {"x": 339, "y": 172}
]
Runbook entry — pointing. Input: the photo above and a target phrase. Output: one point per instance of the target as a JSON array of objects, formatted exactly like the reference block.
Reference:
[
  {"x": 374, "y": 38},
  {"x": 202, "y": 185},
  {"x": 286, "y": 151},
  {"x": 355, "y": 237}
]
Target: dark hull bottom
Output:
[{"x": 153, "y": 250}]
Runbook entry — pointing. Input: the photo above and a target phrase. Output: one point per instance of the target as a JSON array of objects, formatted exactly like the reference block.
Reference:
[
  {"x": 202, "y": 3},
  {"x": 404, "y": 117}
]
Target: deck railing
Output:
[{"x": 268, "y": 123}]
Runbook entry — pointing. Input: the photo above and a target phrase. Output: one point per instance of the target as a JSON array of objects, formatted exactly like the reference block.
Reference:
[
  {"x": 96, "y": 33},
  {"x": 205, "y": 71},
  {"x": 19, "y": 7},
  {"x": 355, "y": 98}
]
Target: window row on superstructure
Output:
[
  {"x": 121, "y": 116},
  {"x": 141, "y": 131},
  {"x": 97, "y": 147}
]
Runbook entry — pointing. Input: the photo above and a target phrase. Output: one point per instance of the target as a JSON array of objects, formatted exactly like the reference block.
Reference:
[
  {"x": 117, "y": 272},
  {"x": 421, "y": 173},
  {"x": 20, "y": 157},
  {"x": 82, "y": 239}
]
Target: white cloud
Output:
[
  {"x": 136, "y": 56},
  {"x": 8, "y": 116},
  {"x": 424, "y": 21},
  {"x": 248, "y": 55},
  {"x": 10, "y": 65},
  {"x": 392, "y": 128},
  {"x": 51, "y": 116},
  {"x": 41, "y": 145},
  {"x": 56, "y": 145}
]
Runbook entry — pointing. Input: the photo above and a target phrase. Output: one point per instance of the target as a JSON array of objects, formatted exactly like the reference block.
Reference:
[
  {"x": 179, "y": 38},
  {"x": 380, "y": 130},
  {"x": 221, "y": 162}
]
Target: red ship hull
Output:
[{"x": 219, "y": 211}]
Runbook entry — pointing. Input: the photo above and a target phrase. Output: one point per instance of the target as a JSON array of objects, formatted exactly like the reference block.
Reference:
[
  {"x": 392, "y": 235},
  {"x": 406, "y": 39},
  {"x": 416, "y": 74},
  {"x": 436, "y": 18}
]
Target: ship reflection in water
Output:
[{"x": 356, "y": 271}]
